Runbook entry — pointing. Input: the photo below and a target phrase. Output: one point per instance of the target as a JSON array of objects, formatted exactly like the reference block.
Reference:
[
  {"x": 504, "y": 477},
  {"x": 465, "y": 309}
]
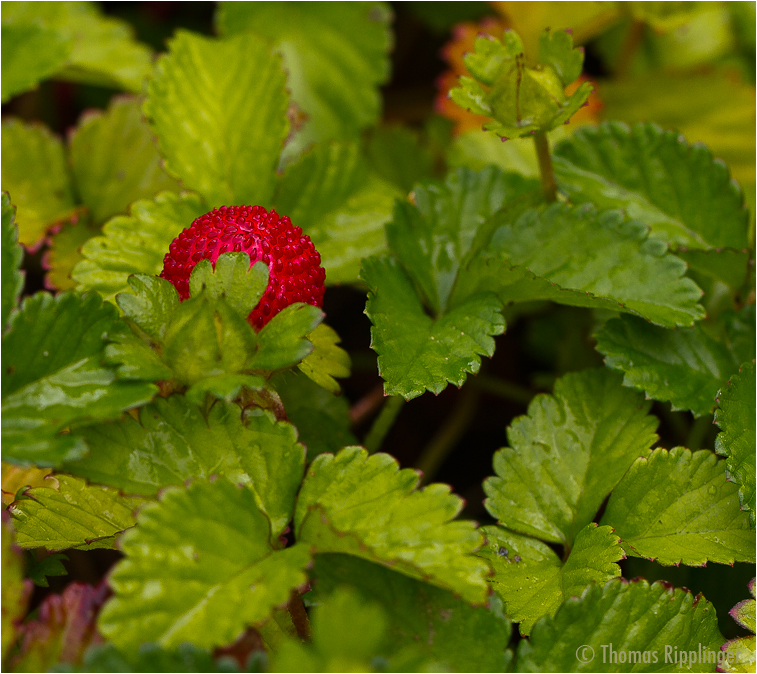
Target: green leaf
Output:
[
  {"x": 53, "y": 376},
  {"x": 680, "y": 191},
  {"x": 103, "y": 49},
  {"x": 35, "y": 174},
  {"x": 735, "y": 417},
  {"x": 336, "y": 57},
  {"x": 114, "y": 159},
  {"x": 685, "y": 366},
  {"x": 327, "y": 360},
  {"x": 654, "y": 626},
  {"x": 12, "y": 256},
  {"x": 63, "y": 253},
  {"x": 347, "y": 634},
  {"x": 741, "y": 652},
  {"x": 567, "y": 455},
  {"x": 521, "y": 98},
  {"x": 16, "y": 591},
  {"x": 416, "y": 352},
  {"x": 532, "y": 581},
  {"x": 207, "y": 338},
  {"x": 224, "y": 386},
  {"x": 447, "y": 225},
  {"x": 677, "y": 507},
  {"x": 340, "y": 204},
  {"x": 575, "y": 255},
  {"x": 366, "y": 507},
  {"x": 218, "y": 108},
  {"x": 73, "y": 514},
  {"x": 556, "y": 51},
  {"x": 322, "y": 419},
  {"x": 397, "y": 155},
  {"x": 52, "y": 565},
  {"x": 173, "y": 442},
  {"x": 283, "y": 340},
  {"x": 63, "y": 630},
  {"x": 151, "y": 305},
  {"x": 445, "y": 629},
  {"x": 233, "y": 278},
  {"x": 199, "y": 568},
  {"x": 136, "y": 243},
  {"x": 30, "y": 54}
]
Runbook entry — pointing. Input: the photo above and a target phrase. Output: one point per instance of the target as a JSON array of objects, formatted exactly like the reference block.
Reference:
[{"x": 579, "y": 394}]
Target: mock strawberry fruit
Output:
[{"x": 294, "y": 265}]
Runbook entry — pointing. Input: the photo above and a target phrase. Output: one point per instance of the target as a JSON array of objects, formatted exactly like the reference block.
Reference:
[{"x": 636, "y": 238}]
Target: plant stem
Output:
[
  {"x": 548, "y": 184},
  {"x": 698, "y": 432},
  {"x": 367, "y": 405},
  {"x": 383, "y": 423},
  {"x": 504, "y": 389},
  {"x": 449, "y": 434},
  {"x": 628, "y": 50}
]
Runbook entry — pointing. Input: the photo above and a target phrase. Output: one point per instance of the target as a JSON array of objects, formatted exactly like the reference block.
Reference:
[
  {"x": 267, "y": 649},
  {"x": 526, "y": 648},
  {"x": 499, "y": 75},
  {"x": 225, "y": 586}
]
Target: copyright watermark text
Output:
[{"x": 608, "y": 654}]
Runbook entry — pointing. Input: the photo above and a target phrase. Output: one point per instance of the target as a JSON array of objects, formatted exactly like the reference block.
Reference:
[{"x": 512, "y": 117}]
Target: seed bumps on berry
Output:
[{"x": 294, "y": 265}]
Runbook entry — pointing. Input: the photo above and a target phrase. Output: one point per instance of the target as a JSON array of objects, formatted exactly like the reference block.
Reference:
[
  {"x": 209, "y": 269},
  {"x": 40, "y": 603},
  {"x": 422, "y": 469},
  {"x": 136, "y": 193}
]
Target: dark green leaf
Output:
[
  {"x": 685, "y": 366},
  {"x": 52, "y": 565},
  {"x": 12, "y": 255},
  {"x": 136, "y": 243},
  {"x": 30, "y": 54},
  {"x": 366, "y": 506},
  {"x": 73, "y": 514},
  {"x": 35, "y": 174},
  {"x": 53, "y": 376},
  {"x": 532, "y": 581},
  {"x": 336, "y": 57},
  {"x": 419, "y": 353},
  {"x": 199, "y": 568},
  {"x": 567, "y": 455},
  {"x": 172, "y": 442},
  {"x": 735, "y": 417},
  {"x": 581, "y": 257},
  {"x": 397, "y": 155},
  {"x": 445, "y": 629},
  {"x": 677, "y": 507},
  {"x": 652, "y": 625},
  {"x": 679, "y": 190},
  {"x": 114, "y": 160},
  {"x": 218, "y": 108}
]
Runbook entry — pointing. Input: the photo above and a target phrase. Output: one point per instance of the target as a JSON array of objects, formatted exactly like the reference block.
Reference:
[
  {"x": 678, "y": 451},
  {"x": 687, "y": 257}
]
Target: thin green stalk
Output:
[
  {"x": 504, "y": 389},
  {"x": 548, "y": 184},
  {"x": 383, "y": 422},
  {"x": 447, "y": 437}
]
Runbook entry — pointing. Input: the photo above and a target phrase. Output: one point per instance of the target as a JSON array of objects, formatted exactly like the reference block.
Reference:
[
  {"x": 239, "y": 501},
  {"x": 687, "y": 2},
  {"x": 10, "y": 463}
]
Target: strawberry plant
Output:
[{"x": 213, "y": 462}]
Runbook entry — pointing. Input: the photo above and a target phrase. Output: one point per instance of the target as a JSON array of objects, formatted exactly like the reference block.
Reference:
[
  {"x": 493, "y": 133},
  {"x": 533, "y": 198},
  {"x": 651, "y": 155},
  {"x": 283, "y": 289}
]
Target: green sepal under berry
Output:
[
  {"x": 567, "y": 454},
  {"x": 199, "y": 568},
  {"x": 640, "y": 616},
  {"x": 520, "y": 97},
  {"x": 206, "y": 343},
  {"x": 54, "y": 376},
  {"x": 676, "y": 507},
  {"x": 173, "y": 442},
  {"x": 531, "y": 579},
  {"x": 72, "y": 514},
  {"x": 735, "y": 417},
  {"x": 365, "y": 506},
  {"x": 445, "y": 629}
]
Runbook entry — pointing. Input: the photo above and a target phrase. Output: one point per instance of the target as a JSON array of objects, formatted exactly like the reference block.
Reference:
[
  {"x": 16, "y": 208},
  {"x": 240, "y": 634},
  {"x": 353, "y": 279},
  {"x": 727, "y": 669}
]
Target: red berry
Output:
[{"x": 294, "y": 265}]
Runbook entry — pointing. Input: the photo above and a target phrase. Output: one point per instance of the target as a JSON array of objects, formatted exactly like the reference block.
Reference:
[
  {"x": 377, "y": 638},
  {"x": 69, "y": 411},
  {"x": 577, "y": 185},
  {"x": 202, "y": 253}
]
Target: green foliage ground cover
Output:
[{"x": 589, "y": 287}]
